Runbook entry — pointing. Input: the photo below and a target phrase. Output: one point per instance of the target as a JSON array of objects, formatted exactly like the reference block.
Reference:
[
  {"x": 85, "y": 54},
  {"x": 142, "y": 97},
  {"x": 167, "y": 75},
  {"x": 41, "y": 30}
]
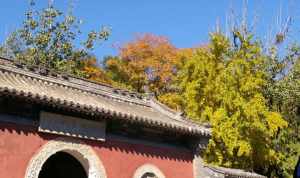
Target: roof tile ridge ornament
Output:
[
  {"x": 203, "y": 124},
  {"x": 36, "y": 69},
  {"x": 128, "y": 93},
  {"x": 156, "y": 104}
]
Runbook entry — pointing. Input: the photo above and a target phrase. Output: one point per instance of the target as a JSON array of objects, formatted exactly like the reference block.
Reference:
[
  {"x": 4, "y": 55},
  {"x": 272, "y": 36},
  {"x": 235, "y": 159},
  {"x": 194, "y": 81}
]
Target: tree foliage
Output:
[
  {"x": 91, "y": 70},
  {"x": 147, "y": 64},
  {"x": 224, "y": 85},
  {"x": 47, "y": 39},
  {"x": 147, "y": 61},
  {"x": 284, "y": 96}
]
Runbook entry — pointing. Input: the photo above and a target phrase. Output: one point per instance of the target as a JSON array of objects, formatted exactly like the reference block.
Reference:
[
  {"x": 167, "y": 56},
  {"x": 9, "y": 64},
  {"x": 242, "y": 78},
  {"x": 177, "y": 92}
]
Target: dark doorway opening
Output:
[
  {"x": 62, "y": 165},
  {"x": 149, "y": 175}
]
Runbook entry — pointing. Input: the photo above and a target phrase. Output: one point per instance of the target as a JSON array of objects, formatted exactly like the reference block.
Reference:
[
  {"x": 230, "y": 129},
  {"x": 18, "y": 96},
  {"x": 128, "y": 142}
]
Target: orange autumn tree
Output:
[
  {"x": 147, "y": 64},
  {"x": 91, "y": 70}
]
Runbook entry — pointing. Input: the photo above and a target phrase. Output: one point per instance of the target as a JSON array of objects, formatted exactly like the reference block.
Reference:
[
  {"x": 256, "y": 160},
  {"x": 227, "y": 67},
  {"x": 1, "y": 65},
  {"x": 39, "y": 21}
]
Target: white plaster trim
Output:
[
  {"x": 83, "y": 153},
  {"x": 148, "y": 168}
]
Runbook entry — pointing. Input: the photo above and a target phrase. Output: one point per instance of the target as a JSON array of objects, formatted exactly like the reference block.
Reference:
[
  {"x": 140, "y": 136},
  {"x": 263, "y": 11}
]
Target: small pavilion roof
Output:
[{"x": 209, "y": 171}]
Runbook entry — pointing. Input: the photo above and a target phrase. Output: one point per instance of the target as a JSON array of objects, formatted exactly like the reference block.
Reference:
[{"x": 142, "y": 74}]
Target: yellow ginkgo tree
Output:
[{"x": 223, "y": 84}]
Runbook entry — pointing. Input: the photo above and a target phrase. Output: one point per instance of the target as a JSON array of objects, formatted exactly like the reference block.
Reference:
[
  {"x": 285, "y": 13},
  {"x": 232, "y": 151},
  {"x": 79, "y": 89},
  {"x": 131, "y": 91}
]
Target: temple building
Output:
[{"x": 54, "y": 125}]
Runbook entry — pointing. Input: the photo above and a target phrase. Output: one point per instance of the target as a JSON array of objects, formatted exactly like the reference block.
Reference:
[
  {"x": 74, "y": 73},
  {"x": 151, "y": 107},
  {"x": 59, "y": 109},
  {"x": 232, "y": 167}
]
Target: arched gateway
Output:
[
  {"x": 62, "y": 165},
  {"x": 66, "y": 148}
]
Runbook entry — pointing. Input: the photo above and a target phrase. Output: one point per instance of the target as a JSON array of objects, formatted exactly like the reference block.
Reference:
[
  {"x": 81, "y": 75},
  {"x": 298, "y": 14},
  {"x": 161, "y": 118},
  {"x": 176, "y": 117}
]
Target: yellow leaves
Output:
[
  {"x": 200, "y": 85},
  {"x": 219, "y": 44},
  {"x": 244, "y": 149},
  {"x": 173, "y": 100},
  {"x": 275, "y": 122},
  {"x": 224, "y": 85}
]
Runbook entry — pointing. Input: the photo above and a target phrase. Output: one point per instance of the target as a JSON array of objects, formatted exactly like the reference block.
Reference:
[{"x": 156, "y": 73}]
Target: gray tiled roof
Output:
[
  {"x": 90, "y": 98},
  {"x": 221, "y": 172}
]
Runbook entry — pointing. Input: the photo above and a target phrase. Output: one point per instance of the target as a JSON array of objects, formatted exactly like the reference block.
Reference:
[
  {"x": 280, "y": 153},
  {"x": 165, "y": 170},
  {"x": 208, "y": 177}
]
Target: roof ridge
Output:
[
  {"x": 86, "y": 83},
  {"x": 78, "y": 85},
  {"x": 165, "y": 109}
]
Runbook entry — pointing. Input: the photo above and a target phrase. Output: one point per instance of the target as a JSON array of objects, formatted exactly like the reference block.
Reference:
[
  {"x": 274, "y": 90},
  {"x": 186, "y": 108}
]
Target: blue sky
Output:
[{"x": 185, "y": 23}]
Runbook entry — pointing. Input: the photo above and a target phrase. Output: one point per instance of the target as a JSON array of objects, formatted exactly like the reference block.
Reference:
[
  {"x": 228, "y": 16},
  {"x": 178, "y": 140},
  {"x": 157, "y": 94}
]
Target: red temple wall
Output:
[{"x": 18, "y": 144}]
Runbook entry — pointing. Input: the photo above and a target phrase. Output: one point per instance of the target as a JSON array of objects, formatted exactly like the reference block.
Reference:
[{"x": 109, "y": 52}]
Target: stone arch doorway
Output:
[
  {"x": 148, "y": 171},
  {"x": 62, "y": 165},
  {"x": 76, "y": 151}
]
